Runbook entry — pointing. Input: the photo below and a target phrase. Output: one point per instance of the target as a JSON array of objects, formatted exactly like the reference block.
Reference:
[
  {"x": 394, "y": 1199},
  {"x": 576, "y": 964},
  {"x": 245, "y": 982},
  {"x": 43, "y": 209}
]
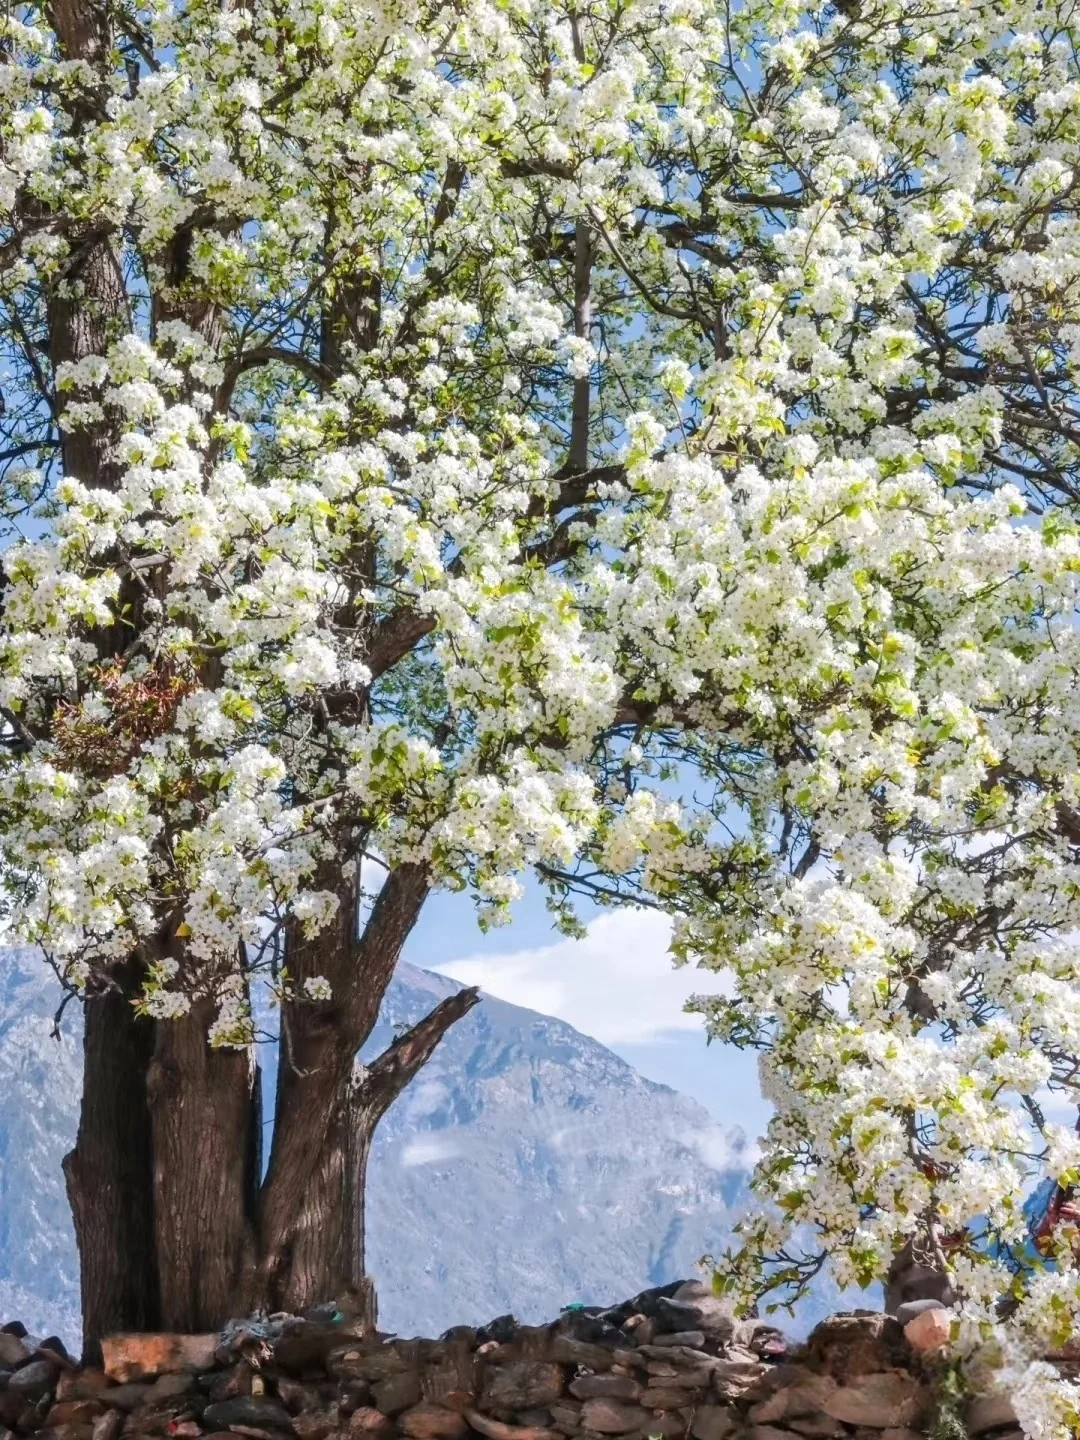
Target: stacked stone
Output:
[{"x": 673, "y": 1363}]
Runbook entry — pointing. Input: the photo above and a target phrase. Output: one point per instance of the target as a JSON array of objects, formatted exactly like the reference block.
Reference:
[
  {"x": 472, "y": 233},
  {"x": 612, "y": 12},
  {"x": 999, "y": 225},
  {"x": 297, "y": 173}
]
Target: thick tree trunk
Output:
[
  {"x": 109, "y": 1172},
  {"x": 326, "y": 1256},
  {"x": 204, "y": 1110},
  {"x": 318, "y": 1045}
]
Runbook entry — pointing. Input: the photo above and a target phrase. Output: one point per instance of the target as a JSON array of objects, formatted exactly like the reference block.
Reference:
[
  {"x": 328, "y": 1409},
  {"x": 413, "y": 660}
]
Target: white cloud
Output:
[
  {"x": 722, "y": 1149},
  {"x": 426, "y": 1149},
  {"x": 617, "y": 984}
]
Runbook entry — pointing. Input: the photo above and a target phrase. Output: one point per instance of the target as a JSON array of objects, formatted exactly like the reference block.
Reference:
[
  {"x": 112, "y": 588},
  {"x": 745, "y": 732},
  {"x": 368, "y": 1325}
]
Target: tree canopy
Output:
[{"x": 634, "y": 441}]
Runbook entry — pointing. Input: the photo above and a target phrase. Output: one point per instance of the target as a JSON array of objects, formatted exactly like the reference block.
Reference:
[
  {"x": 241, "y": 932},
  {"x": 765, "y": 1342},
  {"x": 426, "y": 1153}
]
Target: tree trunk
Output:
[
  {"x": 319, "y": 1042},
  {"x": 204, "y": 1108},
  {"x": 109, "y": 1171},
  {"x": 326, "y": 1257}
]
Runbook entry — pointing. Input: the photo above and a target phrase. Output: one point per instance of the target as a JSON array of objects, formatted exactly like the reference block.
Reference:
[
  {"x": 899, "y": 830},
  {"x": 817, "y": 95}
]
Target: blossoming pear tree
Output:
[{"x": 630, "y": 442}]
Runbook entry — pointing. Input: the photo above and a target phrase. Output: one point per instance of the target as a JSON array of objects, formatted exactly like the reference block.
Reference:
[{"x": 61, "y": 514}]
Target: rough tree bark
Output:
[
  {"x": 327, "y": 1254},
  {"x": 203, "y": 1106}
]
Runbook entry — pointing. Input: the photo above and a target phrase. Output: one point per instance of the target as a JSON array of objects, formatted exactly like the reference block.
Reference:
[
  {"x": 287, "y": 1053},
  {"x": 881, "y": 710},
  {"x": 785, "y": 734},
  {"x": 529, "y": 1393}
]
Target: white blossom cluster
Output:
[{"x": 791, "y": 652}]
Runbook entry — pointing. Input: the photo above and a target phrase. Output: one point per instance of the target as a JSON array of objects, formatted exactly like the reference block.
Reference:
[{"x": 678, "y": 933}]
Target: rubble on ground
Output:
[{"x": 673, "y": 1363}]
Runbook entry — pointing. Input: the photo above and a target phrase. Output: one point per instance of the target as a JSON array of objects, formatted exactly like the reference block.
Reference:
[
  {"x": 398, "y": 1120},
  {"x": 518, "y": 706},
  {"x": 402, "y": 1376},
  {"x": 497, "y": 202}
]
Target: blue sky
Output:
[{"x": 617, "y": 985}]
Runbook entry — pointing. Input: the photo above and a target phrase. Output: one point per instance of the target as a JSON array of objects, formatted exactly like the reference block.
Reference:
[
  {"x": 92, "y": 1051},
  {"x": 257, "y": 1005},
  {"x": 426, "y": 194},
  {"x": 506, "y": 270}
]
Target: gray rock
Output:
[
  {"x": 680, "y": 1355},
  {"x": 397, "y": 1393},
  {"x": 692, "y": 1339},
  {"x": 612, "y": 1417},
  {"x": 989, "y": 1412},
  {"x": 127, "y": 1397},
  {"x": 257, "y": 1411},
  {"x": 13, "y": 1352},
  {"x": 521, "y": 1385},
  {"x": 611, "y": 1387},
  {"x": 578, "y": 1352},
  {"x": 712, "y": 1422},
  {"x": 34, "y": 1380},
  {"x": 167, "y": 1387},
  {"x": 882, "y": 1401},
  {"x": 806, "y": 1396}
]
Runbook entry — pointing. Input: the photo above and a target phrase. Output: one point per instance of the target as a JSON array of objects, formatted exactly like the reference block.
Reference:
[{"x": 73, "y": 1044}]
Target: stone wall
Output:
[{"x": 671, "y": 1363}]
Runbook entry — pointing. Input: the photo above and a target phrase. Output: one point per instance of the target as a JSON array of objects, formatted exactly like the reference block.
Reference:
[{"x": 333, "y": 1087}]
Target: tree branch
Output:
[{"x": 386, "y": 1077}]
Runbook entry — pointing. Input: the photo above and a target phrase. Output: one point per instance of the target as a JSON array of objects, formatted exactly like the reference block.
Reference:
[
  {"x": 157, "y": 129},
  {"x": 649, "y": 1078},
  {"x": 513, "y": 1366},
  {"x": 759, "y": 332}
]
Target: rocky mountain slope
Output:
[{"x": 526, "y": 1168}]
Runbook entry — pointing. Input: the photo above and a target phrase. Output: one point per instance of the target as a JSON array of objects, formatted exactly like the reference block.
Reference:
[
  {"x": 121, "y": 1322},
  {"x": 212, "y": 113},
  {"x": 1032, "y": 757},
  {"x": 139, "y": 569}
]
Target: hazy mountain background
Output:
[{"x": 525, "y": 1168}]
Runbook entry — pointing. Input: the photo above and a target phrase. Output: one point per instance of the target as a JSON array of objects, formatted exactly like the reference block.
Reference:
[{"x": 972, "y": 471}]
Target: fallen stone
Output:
[
  {"x": 66, "y": 1432},
  {"x": 317, "y": 1422},
  {"x": 733, "y": 1378},
  {"x": 127, "y": 1397},
  {"x": 460, "y": 1334},
  {"x": 669, "y": 1398},
  {"x": 565, "y": 1421},
  {"x": 676, "y": 1355},
  {"x": 108, "y": 1426},
  {"x": 303, "y": 1345},
  {"x": 224, "y": 1384},
  {"x": 767, "y": 1340},
  {"x": 366, "y": 1420},
  {"x": 566, "y": 1351},
  {"x": 137, "y": 1357},
  {"x": 53, "y": 1348},
  {"x": 693, "y": 1339},
  {"x": 882, "y": 1401},
  {"x": 929, "y": 1331},
  {"x": 156, "y": 1419},
  {"x": 990, "y": 1412},
  {"x": 81, "y": 1384},
  {"x": 521, "y": 1384},
  {"x": 859, "y": 1343},
  {"x": 74, "y": 1412},
  {"x": 397, "y": 1393},
  {"x": 533, "y": 1416},
  {"x": 806, "y": 1397},
  {"x": 669, "y": 1425},
  {"x": 249, "y": 1410},
  {"x": 613, "y": 1417},
  {"x": 715, "y": 1316},
  {"x": 34, "y": 1380},
  {"x": 502, "y": 1329},
  {"x": 820, "y": 1427},
  {"x": 687, "y": 1379},
  {"x": 712, "y": 1422},
  {"x": 172, "y": 1385},
  {"x": 433, "y": 1422},
  {"x": 766, "y": 1432},
  {"x": 499, "y": 1430},
  {"x": 13, "y": 1352},
  {"x": 296, "y": 1396},
  {"x": 612, "y": 1387},
  {"x": 457, "y": 1400},
  {"x": 901, "y": 1433},
  {"x": 352, "y": 1362}
]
